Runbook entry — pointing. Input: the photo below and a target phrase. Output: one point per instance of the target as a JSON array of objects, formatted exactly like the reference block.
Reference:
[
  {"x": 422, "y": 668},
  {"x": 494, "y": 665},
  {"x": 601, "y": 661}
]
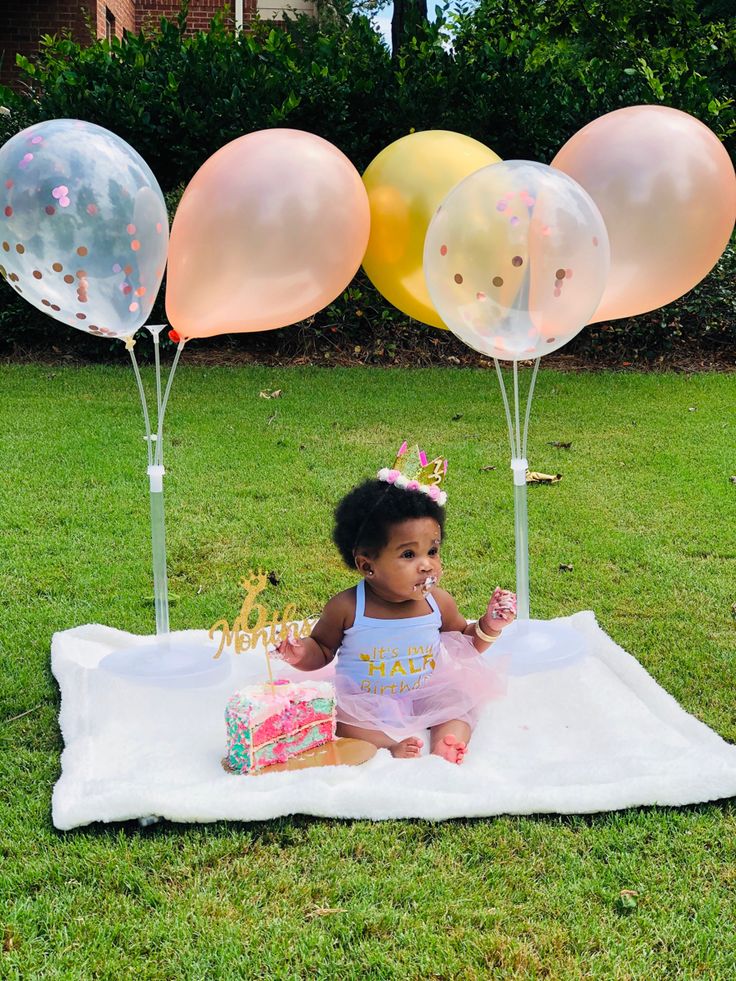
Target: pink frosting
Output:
[{"x": 392, "y": 475}]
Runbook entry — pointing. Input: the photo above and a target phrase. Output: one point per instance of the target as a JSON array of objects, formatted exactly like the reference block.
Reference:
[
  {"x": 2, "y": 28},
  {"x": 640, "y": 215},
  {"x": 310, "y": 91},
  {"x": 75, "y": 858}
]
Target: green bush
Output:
[
  {"x": 520, "y": 77},
  {"x": 535, "y": 73}
]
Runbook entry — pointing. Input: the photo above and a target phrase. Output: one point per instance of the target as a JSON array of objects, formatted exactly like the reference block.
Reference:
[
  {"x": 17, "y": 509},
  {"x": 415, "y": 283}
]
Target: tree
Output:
[{"x": 408, "y": 18}]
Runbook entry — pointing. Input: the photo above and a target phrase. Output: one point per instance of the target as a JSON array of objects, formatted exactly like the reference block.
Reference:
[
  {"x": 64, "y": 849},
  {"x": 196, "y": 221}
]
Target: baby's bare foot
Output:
[
  {"x": 407, "y": 749},
  {"x": 451, "y": 748}
]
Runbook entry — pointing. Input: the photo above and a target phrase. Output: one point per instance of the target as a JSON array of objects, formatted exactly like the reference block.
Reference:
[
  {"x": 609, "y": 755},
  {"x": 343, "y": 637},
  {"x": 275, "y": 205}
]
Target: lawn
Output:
[{"x": 645, "y": 516}]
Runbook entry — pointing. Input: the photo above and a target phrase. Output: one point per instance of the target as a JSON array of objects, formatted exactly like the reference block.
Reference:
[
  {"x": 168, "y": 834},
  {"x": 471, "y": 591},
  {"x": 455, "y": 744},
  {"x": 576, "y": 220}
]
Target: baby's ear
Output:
[{"x": 363, "y": 565}]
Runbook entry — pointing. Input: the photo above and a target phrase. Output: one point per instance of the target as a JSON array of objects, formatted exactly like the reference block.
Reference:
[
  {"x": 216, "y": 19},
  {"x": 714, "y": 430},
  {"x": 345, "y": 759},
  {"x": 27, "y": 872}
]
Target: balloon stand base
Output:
[
  {"x": 540, "y": 645},
  {"x": 168, "y": 662}
]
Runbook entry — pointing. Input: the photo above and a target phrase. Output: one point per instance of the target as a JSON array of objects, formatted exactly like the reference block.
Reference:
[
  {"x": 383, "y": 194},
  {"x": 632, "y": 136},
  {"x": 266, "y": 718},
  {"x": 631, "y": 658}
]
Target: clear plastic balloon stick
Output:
[
  {"x": 144, "y": 404},
  {"x": 158, "y": 544},
  {"x": 162, "y": 411},
  {"x": 521, "y": 538},
  {"x": 168, "y": 660},
  {"x": 156, "y": 484},
  {"x": 519, "y": 468},
  {"x": 529, "y": 405},
  {"x": 158, "y": 523},
  {"x": 157, "y": 362},
  {"x": 504, "y": 396},
  {"x": 517, "y": 433}
]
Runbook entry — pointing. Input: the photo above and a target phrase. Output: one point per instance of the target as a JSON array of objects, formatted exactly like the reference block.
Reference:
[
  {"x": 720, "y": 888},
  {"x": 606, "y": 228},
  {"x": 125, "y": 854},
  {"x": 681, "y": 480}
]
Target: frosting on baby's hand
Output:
[
  {"x": 502, "y": 605},
  {"x": 286, "y": 650}
]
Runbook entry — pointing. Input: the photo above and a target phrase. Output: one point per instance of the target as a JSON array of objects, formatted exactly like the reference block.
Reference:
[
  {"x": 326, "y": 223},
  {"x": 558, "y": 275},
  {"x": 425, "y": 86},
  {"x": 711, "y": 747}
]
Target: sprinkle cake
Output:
[{"x": 267, "y": 726}]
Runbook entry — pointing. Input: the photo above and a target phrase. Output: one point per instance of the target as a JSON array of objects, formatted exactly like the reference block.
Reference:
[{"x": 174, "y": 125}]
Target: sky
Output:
[{"x": 383, "y": 21}]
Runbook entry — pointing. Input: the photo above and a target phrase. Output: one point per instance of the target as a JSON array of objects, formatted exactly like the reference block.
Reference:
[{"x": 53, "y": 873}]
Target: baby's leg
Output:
[
  {"x": 450, "y": 740},
  {"x": 405, "y": 749}
]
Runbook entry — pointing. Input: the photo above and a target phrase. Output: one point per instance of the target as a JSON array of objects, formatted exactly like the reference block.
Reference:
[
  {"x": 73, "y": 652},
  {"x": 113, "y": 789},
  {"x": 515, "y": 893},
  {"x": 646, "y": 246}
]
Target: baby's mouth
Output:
[{"x": 426, "y": 584}]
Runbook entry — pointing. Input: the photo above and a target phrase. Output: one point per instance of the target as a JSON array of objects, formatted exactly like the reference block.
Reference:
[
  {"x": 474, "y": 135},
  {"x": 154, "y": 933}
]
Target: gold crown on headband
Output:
[{"x": 412, "y": 471}]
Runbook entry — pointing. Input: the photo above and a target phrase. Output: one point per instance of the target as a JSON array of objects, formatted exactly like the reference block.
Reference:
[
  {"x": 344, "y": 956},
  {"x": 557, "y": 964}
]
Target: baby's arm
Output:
[{"x": 317, "y": 650}]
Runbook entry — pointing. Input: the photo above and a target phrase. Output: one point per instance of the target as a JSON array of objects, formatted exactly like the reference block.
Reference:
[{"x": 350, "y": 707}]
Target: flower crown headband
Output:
[{"x": 411, "y": 471}]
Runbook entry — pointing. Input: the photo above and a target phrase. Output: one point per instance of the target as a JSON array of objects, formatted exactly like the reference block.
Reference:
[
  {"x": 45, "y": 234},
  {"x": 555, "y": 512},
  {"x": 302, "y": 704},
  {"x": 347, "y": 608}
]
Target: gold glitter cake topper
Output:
[{"x": 255, "y": 625}]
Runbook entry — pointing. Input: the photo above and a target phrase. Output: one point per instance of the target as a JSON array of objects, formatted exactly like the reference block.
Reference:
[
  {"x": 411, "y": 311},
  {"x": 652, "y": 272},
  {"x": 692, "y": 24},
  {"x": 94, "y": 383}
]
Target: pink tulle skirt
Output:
[{"x": 462, "y": 682}]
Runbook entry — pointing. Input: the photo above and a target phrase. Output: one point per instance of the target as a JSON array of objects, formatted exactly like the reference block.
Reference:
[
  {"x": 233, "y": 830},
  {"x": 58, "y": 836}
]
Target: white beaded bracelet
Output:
[{"x": 484, "y": 636}]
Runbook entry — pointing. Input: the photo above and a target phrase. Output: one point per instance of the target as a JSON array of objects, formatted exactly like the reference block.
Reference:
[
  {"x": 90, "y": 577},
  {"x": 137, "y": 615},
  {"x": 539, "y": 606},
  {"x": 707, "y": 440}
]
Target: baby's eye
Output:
[
  {"x": 408, "y": 554},
  {"x": 434, "y": 551}
]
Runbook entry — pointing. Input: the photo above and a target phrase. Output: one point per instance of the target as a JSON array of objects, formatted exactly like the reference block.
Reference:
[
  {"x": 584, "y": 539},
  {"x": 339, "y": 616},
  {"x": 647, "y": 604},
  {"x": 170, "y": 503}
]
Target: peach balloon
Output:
[
  {"x": 667, "y": 192},
  {"x": 269, "y": 231}
]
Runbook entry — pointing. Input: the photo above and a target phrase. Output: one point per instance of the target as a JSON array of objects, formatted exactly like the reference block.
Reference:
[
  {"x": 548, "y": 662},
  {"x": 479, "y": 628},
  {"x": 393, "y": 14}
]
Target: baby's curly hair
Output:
[{"x": 363, "y": 517}]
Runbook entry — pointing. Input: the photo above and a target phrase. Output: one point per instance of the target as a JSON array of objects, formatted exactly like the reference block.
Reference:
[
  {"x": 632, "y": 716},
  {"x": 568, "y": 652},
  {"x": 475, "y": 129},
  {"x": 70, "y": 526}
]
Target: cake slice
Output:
[{"x": 267, "y": 726}]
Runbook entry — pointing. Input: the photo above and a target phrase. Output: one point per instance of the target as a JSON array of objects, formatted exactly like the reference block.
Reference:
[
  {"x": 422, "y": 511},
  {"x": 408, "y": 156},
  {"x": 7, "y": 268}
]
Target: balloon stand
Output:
[
  {"x": 534, "y": 645},
  {"x": 167, "y": 661}
]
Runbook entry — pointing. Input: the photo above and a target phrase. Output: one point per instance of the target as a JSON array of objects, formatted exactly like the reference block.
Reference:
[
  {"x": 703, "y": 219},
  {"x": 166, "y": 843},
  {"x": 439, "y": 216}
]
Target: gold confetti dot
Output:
[
  {"x": 458, "y": 278},
  {"x": 55, "y": 307},
  {"x": 81, "y": 316},
  {"x": 82, "y": 250},
  {"x": 68, "y": 279},
  {"x": 517, "y": 260},
  {"x": 6, "y": 246},
  {"x": 57, "y": 267},
  {"x": 560, "y": 274},
  {"x": 20, "y": 249},
  {"x": 497, "y": 281},
  {"x": 37, "y": 274}
]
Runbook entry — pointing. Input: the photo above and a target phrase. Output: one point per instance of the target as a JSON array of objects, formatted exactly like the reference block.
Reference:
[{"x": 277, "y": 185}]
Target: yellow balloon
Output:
[{"x": 406, "y": 183}]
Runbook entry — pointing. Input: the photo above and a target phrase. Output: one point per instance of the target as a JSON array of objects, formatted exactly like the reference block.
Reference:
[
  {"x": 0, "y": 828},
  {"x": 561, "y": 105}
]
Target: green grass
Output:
[{"x": 644, "y": 513}]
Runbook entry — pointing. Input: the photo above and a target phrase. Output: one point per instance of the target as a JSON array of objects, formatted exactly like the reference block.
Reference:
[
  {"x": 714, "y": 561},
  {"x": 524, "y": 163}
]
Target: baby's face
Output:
[{"x": 410, "y": 557}]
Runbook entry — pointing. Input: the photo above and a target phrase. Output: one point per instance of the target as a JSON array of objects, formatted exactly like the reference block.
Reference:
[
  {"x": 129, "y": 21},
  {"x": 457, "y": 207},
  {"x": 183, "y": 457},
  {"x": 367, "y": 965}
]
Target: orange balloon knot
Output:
[{"x": 173, "y": 336}]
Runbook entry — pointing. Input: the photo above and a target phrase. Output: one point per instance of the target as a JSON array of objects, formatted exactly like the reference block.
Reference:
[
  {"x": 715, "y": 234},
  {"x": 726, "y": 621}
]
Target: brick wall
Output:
[
  {"x": 22, "y": 22},
  {"x": 123, "y": 12},
  {"x": 201, "y": 12}
]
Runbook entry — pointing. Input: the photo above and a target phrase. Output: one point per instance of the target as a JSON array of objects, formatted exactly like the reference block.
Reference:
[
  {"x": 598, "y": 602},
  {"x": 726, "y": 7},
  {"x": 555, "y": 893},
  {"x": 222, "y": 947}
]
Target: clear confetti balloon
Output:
[
  {"x": 84, "y": 226},
  {"x": 516, "y": 259}
]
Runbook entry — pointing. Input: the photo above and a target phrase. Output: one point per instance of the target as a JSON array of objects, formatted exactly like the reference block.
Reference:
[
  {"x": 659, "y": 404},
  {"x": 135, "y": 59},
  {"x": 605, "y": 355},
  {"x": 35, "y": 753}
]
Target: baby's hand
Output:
[
  {"x": 291, "y": 649},
  {"x": 501, "y": 610}
]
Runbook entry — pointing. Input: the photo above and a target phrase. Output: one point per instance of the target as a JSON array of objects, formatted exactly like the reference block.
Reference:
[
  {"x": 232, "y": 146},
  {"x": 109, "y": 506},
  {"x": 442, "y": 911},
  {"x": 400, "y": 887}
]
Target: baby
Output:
[{"x": 407, "y": 660}]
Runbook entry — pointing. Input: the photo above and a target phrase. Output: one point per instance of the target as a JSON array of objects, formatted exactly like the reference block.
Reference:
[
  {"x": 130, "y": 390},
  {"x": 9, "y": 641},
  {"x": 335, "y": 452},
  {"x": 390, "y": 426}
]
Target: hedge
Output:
[{"x": 521, "y": 77}]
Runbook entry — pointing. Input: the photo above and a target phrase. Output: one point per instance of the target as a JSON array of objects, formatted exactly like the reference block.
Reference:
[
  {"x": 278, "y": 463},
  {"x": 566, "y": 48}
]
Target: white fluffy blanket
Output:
[{"x": 595, "y": 736}]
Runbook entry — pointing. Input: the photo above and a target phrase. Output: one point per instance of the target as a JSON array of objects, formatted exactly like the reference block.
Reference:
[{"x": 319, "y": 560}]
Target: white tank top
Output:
[{"x": 389, "y": 657}]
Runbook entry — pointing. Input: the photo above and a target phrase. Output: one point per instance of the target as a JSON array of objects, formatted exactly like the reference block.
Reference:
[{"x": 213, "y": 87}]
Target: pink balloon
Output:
[
  {"x": 269, "y": 231},
  {"x": 667, "y": 192}
]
